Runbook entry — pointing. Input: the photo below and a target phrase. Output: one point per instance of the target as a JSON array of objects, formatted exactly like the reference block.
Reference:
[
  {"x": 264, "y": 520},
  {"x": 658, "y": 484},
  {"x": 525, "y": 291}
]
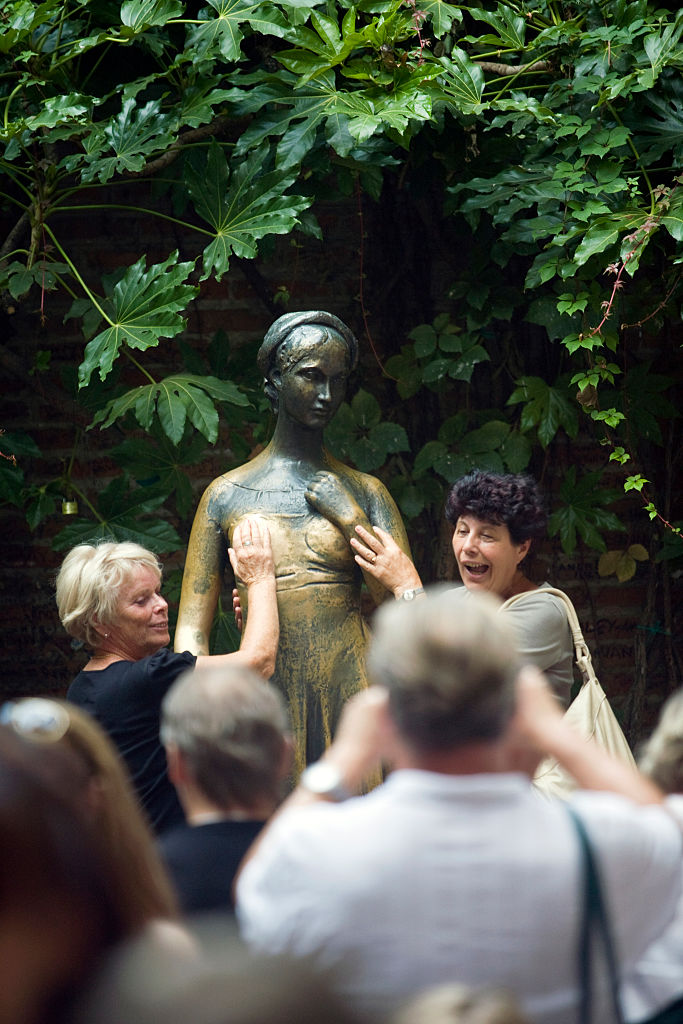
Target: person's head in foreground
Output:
[
  {"x": 662, "y": 755},
  {"x": 57, "y": 914},
  {"x": 450, "y": 670},
  {"x": 225, "y": 734},
  {"x": 136, "y": 876},
  {"x": 224, "y": 984}
]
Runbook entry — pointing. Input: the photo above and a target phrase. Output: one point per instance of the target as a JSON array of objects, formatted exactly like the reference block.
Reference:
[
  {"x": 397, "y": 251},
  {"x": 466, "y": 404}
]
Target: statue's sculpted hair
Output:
[{"x": 285, "y": 339}]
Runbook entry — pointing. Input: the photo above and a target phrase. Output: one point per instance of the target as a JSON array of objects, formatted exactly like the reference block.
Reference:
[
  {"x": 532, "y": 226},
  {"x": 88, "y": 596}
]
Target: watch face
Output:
[
  {"x": 320, "y": 778},
  {"x": 324, "y": 780},
  {"x": 409, "y": 595}
]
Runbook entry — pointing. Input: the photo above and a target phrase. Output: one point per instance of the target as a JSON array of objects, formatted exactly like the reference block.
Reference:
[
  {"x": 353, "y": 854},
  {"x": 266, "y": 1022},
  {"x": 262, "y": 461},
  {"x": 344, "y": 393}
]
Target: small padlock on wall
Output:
[{"x": 69, "y": 508}]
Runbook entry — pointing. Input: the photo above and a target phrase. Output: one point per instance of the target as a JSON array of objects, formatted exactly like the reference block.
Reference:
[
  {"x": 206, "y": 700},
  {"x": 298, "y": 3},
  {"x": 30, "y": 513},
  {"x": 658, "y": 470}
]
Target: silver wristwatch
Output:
[
  {"x": 324, "y": 780},
  {"x": 410, "y": 595}
]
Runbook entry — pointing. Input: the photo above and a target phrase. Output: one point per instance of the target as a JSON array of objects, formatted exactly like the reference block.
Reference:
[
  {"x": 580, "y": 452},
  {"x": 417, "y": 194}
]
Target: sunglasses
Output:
[{"x": 36, "y": 718}]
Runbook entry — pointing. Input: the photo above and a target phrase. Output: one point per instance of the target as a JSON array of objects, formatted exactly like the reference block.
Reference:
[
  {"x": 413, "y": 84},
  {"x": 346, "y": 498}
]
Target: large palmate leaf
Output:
[
  {"x": 296, "y": 109},
  {"x": 139, "y": 15},
  {"x": 134, "y": 134},
  {"x": 175, "y": 400},
  {"x": 663, "y": 48},
  {"x": 221, "y": 30},
  {"x": 157, "y": 461},
  {"x": 242, "y": 207},
  {"x": 664, "y": 131},
  {"x": 584, "y": 512},
  {"x": 462, "y": 81},
  {"x": 441, "y": 15},
  {"x": 508, "y": 26},
  {"x": 124, "y": 514},
  {"x": 142, "y": 307}
]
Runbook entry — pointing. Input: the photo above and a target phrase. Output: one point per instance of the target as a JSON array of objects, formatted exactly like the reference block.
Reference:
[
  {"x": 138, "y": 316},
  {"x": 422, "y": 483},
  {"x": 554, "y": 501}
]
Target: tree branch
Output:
[
  {"x": 14, "y": 235},
  {"x": 218, "y": 126},
  {"x": 513, "y": 69}
]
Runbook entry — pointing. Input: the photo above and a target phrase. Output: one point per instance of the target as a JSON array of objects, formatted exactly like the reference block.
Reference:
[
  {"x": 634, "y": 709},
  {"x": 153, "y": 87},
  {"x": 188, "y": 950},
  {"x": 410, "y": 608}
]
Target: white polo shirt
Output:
[
  {"x": 435, "y": 878},
  {"x": 656, "y": 981}
]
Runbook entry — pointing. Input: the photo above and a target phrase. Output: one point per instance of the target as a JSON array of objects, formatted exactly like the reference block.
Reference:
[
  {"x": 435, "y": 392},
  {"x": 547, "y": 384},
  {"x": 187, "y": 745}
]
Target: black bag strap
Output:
[{"x": 594, "y": 923}]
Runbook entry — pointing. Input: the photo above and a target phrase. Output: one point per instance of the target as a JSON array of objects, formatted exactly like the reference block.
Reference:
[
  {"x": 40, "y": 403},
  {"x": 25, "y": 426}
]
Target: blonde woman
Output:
[{"x": 109, "y": 597}]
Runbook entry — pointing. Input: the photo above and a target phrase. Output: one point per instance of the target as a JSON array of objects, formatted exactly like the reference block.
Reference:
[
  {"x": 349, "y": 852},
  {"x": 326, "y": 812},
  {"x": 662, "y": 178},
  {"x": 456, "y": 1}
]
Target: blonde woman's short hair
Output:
[
  {"x": 89, "y": 582},
  {"x": 662, "y": 755}
]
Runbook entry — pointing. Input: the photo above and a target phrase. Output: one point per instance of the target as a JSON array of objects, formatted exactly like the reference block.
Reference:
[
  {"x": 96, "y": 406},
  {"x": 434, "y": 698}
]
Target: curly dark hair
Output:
[{"x": 510, "y": 499}]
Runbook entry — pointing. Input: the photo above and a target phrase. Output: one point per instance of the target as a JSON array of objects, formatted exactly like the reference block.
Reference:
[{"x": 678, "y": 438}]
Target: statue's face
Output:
[{"x": 312, "y": 387}]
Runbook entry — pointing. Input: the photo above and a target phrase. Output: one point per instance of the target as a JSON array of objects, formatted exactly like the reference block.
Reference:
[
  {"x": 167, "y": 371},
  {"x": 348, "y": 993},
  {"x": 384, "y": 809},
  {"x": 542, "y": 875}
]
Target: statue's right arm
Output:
[{"x": 202, "y": 578}]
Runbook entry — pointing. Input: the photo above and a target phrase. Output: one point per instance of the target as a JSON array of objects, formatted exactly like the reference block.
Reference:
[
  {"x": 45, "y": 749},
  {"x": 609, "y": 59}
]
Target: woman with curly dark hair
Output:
[{"x": 495, "y": 518}]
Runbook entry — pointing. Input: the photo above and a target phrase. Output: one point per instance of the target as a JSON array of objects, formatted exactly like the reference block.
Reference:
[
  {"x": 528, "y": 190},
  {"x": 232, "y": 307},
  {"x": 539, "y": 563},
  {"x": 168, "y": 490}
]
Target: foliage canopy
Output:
[{"x": 549, "y": 133}]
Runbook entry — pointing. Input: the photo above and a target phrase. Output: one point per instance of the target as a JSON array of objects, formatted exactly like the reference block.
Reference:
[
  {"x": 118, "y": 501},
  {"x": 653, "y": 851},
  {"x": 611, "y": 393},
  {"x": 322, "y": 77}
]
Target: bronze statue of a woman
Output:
[{"x": 311, "y": 504}]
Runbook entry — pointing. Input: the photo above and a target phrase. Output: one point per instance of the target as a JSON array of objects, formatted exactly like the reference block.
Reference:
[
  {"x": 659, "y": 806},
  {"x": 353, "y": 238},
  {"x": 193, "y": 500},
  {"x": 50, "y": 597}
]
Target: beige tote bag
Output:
[{"x": 590, "y": 712}]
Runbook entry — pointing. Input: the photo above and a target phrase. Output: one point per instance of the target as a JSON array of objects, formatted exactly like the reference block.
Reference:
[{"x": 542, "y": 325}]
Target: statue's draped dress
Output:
[{"x": 323, "y": 636}]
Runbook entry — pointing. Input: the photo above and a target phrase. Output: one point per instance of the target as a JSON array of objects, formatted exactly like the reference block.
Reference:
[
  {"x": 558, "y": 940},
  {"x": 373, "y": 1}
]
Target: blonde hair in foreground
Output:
[{"x": 89, "y": 581}]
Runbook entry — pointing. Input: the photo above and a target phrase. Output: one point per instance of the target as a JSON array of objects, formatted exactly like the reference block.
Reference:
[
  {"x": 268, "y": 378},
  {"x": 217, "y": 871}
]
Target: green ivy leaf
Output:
[
  {"x": 488, "y": 438},
  {"x": 366, "y": 409},
  {"x": 516, "y": 452},
  {"x": 546, "y": 408},
  {"x": 428, "y": 456},
  {"x": 11, "y": 483},
  {"x": 425, "y": 339},
  {"x": 390, "y": 438},
  {"x": 601, "y": 235}
]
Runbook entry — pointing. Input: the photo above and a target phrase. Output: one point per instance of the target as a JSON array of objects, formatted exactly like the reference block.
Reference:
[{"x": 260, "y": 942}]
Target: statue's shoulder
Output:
[
  {"x": 233, "y": 490},
  {"x": 366, "y": 482}
]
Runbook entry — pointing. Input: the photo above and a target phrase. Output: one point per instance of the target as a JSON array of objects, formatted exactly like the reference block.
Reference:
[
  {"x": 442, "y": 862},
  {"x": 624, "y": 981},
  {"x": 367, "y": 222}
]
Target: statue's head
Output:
[{"x": 299, "y": 336}]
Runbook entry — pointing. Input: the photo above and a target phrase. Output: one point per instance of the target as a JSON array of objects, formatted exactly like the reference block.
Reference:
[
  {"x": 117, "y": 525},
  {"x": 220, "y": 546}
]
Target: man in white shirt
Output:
[{"x": 455, "y": 869}]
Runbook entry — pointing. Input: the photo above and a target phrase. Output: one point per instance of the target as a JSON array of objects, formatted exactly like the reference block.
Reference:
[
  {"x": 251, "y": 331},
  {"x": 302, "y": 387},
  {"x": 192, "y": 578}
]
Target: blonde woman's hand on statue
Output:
[
  {"x": 237, "y": 609},
  {"x": 251, "y": 554},
  {"x": 379, "y": 555},
  {"x": 327, "y": 494}
]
